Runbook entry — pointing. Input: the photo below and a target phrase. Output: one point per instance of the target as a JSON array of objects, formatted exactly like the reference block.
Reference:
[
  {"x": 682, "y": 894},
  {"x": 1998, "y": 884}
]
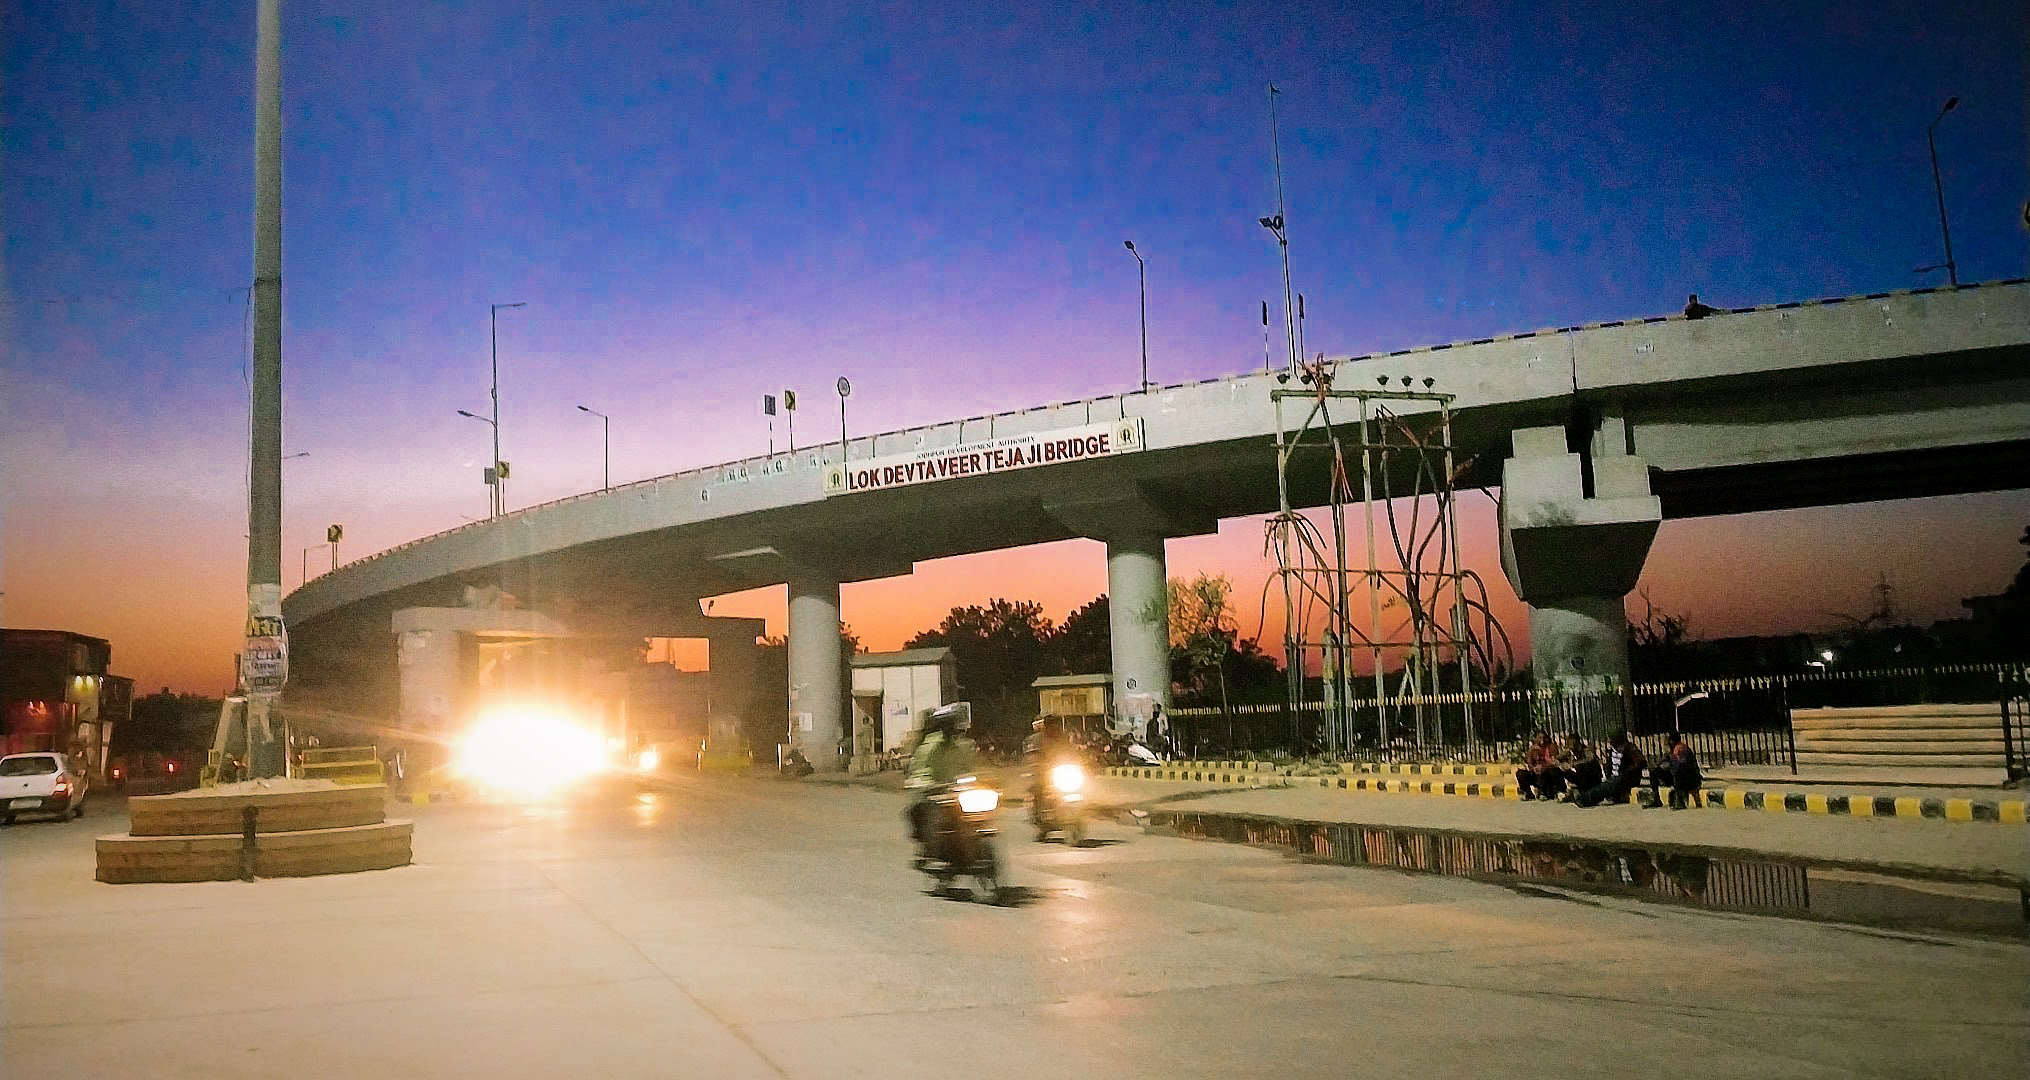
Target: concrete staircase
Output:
[{"x": 1929, "y": 737}]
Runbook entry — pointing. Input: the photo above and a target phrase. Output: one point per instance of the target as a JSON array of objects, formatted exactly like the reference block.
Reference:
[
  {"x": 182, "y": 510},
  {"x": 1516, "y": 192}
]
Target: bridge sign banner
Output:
[{"x": 1004, "y": 454}]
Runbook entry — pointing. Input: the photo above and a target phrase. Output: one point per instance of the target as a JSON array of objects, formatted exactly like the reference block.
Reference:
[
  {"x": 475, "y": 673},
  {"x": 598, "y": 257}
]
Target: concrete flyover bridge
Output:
[{"x": 1595, "y": 434}]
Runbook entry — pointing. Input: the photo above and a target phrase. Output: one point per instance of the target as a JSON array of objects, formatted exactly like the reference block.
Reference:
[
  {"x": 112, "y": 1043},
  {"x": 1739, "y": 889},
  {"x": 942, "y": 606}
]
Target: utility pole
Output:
[{"x": 264, "y": 664}]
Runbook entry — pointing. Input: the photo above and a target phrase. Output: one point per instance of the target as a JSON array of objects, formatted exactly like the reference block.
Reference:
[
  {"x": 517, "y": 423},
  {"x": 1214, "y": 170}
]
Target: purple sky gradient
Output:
[{"x": 700, "y": 206}]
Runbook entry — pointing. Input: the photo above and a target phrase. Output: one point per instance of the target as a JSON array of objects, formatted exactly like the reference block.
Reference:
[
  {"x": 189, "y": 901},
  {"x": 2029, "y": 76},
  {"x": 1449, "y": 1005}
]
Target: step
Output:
[
  {"x": 199, "y": 812},
  {"x": 1990, "y": 733},
  {"x": 1852, "y": 746},
  {"x": 1899, "y": 716},
  {"x": 1928, "y": 761},
  {"x": 124, "y": 860}
]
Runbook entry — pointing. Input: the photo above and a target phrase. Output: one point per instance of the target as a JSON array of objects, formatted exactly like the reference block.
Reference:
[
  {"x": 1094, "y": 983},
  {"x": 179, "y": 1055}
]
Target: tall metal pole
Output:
[
  {"x": 1142, "y": 269},
  {"x": 1282, "y": 236},
  {"x": 493, "y": 347},
  {"x": 1952, "y": 273},
  {"x": 264, "y": 667},
  {"x": 493, "y": 339},
  {"x": 606, "y": 445}
]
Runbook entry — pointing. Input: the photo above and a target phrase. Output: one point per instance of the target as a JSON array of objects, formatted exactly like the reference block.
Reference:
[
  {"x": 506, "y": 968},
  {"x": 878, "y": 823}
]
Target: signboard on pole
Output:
[{"x": 1005, "y": 454}]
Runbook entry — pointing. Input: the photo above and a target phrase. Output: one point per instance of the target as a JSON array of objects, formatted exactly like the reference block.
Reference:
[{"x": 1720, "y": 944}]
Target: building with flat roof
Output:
[
  {"x": 56, "y": 694},
  {"x": 892, "y": 691}
]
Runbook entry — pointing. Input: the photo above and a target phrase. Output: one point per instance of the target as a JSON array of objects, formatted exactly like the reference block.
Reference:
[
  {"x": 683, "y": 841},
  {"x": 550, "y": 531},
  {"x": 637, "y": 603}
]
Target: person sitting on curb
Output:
[
  {"x": 1580, "y": 768},
  {"x": 1681, "y": 768},
  {"x": 1623, "y": 773},
  {"x": 1540, "y": 776}
]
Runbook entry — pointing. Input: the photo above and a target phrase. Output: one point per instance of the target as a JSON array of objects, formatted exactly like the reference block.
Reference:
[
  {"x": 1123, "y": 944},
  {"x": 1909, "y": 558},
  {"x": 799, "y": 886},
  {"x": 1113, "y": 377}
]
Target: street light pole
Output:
[
  {"x": 493, "y": 338},
  {"x": 1952, "y": 273},
  {"x": 845, "y": 391},
  {"x": 305, "y": 578},
  {"x": 606, "y": 453},
  {"x": 492, "y": 471},
  {"x": 1142, "y": 270}
]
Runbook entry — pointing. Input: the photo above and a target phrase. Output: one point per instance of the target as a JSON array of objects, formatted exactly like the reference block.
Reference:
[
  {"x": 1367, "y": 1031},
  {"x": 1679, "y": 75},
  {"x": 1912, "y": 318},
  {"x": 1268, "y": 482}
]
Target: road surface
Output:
[{"x": 721, "y": 927}]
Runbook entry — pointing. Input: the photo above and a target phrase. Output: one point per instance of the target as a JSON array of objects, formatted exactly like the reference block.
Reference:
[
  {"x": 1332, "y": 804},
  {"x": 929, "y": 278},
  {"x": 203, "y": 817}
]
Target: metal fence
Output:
[{"x": 1736, "y": 721}]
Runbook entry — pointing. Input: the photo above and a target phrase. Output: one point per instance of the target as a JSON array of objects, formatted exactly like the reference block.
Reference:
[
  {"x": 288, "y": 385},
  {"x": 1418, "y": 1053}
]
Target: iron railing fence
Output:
[{"x": 1727, "y": 721}]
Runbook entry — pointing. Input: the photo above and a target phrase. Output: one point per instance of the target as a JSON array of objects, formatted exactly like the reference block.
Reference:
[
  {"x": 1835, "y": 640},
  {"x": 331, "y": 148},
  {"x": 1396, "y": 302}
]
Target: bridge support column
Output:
[
  {"x": 817, "y": 666},
  {"x": 1137, "y": 588},
  {"x": 428, "y": 665},
  {"x": 1577, "y": 522}
]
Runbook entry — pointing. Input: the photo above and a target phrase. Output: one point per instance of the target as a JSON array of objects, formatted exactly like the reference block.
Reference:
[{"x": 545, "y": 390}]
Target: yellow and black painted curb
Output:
[
  {"x": 1473, "y": 789},
  {"x": 1440, "y": 770},
  {"x": 1199, "y": 773},
  {"x": 2006, "y": 811},
  {"x": 2010, "y": 811}
]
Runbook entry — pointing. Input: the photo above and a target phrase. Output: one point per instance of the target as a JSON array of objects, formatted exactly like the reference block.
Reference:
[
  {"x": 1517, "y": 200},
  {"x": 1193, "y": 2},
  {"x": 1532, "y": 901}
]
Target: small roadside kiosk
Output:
[
  {"x": 1082, "y": 703},
  {"x": 891, "y": 692}
]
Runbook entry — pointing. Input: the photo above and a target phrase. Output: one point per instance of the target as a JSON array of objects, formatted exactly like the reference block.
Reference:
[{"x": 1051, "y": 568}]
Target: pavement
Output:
[
  {"x": 1981, "y": 851},
  {"x": 727, "y": 927}
]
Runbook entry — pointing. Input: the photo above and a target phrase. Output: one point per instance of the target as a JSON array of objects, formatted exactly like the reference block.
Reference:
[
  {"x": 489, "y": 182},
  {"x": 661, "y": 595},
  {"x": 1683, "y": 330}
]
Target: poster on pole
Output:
[
  {"x": 264, "y": 659},
  {"x": 1004, "y": 454}
]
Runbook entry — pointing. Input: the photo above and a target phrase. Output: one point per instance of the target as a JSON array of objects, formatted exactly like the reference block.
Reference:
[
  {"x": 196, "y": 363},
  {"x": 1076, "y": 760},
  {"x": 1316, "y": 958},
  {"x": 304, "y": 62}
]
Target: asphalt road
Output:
[{"x": 721, "y": 927}]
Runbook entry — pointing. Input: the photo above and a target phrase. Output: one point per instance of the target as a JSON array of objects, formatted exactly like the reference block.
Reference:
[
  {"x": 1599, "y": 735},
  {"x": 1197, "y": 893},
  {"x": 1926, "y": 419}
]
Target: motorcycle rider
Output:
[
  {"x": 1046, "y": 745},
  {"x": 943, "y": 754}
]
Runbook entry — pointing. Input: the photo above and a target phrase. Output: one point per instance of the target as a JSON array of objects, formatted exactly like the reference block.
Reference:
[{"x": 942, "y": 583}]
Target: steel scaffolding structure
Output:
[{"x": 1421, "y": 604}]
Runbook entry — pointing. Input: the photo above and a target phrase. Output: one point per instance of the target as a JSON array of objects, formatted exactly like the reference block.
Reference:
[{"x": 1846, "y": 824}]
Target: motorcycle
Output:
[
  {"x": 960, "y": 837},
  {"x": 1059, "y": 803}
]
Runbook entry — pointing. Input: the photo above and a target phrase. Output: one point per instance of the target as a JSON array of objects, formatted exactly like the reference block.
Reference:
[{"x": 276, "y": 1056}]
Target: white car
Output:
[{"x": 40, "y": 783}]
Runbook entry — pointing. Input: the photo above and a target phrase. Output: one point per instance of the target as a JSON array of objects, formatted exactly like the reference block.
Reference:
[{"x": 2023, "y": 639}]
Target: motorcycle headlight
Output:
[
  {"x": 1067, "y": 777},
  {"x": 978, "y": 800}
]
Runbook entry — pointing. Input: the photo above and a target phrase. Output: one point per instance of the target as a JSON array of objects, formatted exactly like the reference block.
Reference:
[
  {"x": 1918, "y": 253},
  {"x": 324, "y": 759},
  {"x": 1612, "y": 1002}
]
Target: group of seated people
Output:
[{"x": 1574, "y": 773}]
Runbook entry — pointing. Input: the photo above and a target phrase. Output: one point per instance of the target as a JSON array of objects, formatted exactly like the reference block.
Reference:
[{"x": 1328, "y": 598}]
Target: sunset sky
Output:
[{"x": 703, "y": 203}]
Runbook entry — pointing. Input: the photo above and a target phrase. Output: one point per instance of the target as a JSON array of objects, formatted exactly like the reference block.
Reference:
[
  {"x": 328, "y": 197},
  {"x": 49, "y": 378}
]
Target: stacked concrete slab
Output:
[{"x": 299, "y": 831}]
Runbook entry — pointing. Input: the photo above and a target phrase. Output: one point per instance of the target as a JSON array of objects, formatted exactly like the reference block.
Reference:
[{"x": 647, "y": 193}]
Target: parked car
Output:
[{"x": 40, "y": 783}]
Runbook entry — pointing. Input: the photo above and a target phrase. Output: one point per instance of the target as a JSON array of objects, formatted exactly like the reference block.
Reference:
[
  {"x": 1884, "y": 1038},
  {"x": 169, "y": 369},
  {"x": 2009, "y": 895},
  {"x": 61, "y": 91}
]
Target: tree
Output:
[
  {"x": 1658, "y": 645},
  {"x": 1084, "y": 644},
  {"x": 1000, "y": 649},
  {"x": 166, "y": 722},
  {"x": 1202, "y": 634}
]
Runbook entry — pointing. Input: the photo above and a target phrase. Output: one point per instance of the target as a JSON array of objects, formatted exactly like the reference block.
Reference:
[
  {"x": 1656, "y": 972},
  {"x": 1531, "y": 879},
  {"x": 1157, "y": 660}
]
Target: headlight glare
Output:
[{"x": 978, "y": 800}]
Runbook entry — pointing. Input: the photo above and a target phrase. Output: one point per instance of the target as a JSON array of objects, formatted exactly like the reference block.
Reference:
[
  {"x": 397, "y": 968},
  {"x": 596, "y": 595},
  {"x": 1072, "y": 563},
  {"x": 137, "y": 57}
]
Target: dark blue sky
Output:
[{"x": 702, "y": 204}]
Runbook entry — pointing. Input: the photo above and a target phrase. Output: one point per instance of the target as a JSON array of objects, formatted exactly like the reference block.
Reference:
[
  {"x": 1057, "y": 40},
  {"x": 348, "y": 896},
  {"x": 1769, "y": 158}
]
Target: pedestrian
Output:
[
  {"x": 1540, "y": 777},
  {"x": 1680, "y": 768},
  {"x": 1581, "y": 768},
  {"x": 1622, "y": 773},
  {"x": 1696, "y": 310}
]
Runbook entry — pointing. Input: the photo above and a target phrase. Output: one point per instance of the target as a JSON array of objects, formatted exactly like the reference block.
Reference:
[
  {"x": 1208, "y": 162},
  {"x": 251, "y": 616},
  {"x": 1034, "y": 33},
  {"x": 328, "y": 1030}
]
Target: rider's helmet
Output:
[{"x": 955, "y": 718}]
